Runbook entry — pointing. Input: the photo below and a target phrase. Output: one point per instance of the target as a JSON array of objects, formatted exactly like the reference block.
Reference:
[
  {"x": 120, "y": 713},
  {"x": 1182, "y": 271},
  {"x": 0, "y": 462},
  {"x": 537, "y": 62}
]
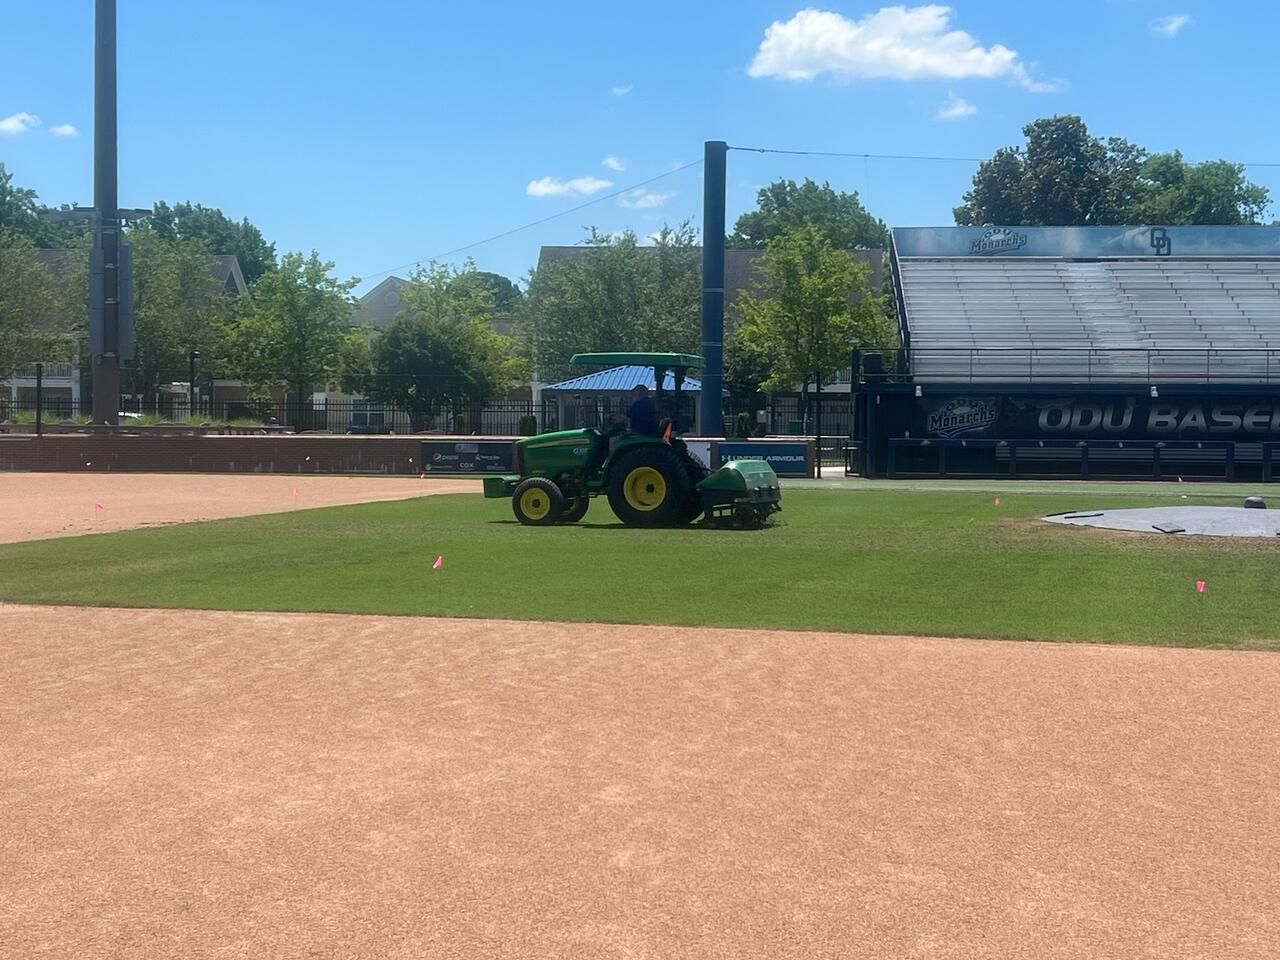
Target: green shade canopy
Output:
[{"x": 682, "y": 361}]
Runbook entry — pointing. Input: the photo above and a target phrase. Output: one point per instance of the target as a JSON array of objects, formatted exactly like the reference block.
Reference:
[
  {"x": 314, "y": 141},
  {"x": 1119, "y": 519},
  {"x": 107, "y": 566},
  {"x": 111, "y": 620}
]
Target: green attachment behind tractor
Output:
[
  {"x": 741, "y": 493},
  {"x": 650, "y": 481}
]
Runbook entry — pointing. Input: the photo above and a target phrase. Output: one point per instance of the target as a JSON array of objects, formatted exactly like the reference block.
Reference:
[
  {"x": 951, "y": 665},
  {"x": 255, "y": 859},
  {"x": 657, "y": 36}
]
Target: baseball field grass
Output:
[{"x": 884, "y": 561}]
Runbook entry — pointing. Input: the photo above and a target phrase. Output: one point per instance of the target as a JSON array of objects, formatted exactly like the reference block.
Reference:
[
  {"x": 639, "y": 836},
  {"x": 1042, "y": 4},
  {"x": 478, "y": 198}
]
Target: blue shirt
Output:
[{"x": 643, "y": 416}]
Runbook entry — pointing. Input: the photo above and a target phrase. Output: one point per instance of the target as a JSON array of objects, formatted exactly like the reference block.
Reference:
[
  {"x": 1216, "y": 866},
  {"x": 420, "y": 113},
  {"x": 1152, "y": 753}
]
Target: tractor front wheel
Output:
[
  {"x": 537, "y": 502},
  {"x": 649, "y": 487}
]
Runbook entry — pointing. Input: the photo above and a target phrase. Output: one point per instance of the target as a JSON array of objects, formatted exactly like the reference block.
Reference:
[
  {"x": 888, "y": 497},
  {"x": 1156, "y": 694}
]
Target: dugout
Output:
[{"x": 1077, "y": 351}]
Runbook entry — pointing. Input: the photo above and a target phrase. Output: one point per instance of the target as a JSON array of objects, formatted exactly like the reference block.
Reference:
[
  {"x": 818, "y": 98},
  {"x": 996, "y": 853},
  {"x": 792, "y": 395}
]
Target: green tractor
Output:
[{"x": 650, "y": 480}]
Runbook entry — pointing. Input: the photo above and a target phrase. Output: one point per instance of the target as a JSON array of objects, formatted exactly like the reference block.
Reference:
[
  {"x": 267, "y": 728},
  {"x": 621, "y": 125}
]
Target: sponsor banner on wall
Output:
[
  {"x": 786, "y": 458},
  {"x": 1087, "y": 242},
  {"x": 1109, "y": 417},
  {"x": 469, "y": 456}
]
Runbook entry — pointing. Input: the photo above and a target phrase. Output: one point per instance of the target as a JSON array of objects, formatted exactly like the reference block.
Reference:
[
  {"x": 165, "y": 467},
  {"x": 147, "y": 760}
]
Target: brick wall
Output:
[
  {"x": 129, "y": 453},
  {"x": 211, "y": 454}
]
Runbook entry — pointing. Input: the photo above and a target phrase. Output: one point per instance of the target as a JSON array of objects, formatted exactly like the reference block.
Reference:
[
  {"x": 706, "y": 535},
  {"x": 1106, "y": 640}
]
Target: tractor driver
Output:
[{"x": 642, "y": 415}]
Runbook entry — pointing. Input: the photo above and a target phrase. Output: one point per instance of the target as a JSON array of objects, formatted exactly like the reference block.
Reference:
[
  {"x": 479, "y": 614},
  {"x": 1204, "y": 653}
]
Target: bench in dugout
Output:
[{"x": 1083, "y": 458}]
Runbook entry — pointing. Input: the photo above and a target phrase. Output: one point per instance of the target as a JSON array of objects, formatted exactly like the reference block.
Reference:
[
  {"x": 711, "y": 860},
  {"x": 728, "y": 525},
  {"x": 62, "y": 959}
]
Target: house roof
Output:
[
  {"x": 381, "y": 305},
  {"x": 621, "y": 379},
  {"x": 225, "y": 267},
  {"x": 684, "y": 361},
  {"x": 739, "y": 265}
]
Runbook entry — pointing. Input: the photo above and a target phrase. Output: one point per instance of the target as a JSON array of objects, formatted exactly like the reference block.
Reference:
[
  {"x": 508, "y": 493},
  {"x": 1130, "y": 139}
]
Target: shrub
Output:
[
  {"x": 528, "y": 425},
  {"x": 264, "y": 408},
  {"x": 743, "y": 425}
]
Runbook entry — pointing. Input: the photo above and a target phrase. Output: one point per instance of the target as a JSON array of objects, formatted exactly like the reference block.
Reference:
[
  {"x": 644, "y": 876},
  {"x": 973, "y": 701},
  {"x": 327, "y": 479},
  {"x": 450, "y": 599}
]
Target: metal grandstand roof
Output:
[{"x": 622, "y": 379}]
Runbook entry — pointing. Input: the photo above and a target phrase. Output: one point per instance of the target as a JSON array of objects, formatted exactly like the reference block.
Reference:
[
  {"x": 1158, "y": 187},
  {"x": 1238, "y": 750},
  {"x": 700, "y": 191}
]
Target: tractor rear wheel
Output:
[
  {"x": 693, "y": 502},
  {"x": 537, "y": 502},
  {"x": 576, "y": 510},
  {"x": 649, "y": 487}
]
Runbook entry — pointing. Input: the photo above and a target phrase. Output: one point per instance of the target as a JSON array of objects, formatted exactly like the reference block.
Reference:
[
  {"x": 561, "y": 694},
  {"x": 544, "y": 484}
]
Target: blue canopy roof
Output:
[{"x": 622, "y": 379}]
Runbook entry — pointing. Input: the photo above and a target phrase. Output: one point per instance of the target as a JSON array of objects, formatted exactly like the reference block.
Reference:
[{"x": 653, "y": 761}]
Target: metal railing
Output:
[
  {"x": 498, "y": 417},
  {"x": 52, "y": 371},
  {"x": 1089, "y": 365}
]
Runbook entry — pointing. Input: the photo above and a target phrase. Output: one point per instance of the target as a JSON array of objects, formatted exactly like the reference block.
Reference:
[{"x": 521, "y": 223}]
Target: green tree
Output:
[
  {"x": 812, "y": 306},
  {"x": 441, "y": 350},
  {"x": 617, "y": 296},
  {"x": 504, "y": 295},
  {"x": 31, "y": 326},
  {"x": 1064, "y": 176},
  {"x": 179, "y": 306},
  {"x": 18, "y": 207},
  {"x": 1216, "y": 192},
  {"x": 784, "y": 205},
  {"x": 22, "y": 214},
  {"x": 222, "y": 235},
  {"x": 745, "y": 367},
  {"x": 292, "y": 327}
]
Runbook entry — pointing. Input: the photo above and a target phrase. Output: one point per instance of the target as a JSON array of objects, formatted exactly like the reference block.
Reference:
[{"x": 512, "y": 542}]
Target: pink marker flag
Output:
[
  {"x": 1199, "y": 586},
  {"x": 98, "y": 506},
  {"x": 439, "y": 562}
]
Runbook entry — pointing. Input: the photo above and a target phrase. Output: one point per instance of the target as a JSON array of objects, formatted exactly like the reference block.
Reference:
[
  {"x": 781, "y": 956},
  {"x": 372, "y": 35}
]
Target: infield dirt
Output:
[
  {"x": 35, "y": 506},
  {"x": 216, "y": 785}
]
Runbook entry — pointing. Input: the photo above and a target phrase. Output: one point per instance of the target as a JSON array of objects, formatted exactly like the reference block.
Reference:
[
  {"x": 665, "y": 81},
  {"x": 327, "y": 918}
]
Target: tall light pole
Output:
[
  {"x": 110, "y": 273},
  {"x": 105, "y": 263},
  {"x": 710, "y": 418}
]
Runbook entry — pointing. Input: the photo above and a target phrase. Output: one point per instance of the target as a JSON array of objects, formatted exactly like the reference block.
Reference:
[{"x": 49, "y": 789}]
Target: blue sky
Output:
[{"x": 386, "y": 132}]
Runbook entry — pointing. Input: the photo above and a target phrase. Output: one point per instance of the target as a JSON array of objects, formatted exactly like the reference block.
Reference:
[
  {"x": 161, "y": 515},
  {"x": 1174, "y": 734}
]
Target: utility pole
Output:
[
  {"x": 110, "y": 260},
  {"x": 710, "y": 412},
  {"x": 105, "y": 267}
]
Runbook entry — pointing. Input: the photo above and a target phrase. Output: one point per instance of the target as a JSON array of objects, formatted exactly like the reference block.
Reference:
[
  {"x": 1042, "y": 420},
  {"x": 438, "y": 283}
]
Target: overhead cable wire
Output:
[
  {"x": 857, "y": 156},
  {"x": 534, "y": 223},
  {"x": 908, "y": 156}
]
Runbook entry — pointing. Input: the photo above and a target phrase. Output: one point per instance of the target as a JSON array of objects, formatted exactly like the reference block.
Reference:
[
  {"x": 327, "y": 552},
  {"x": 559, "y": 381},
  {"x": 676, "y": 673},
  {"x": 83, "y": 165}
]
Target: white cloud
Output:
[
  {"x": 577, "y": 187},
  {"x": 613, "y": 163},
  {"x": 64, "y": 130},
  {"x": 898, "y": 43},
  {"x": 643, "y": 199},
  {"x": 18, "y": 123},
  {"x": 956, "y": 108},
  {"x": 1171, "y": 25},
  {"x": 621, "y": 90}
]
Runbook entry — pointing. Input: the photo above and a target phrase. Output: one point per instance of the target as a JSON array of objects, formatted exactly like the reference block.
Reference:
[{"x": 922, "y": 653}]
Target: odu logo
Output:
[
  {"x": 961, "y": 415},
  {"x": 997, "y": 240},
  {"x": 1161, "y": 242}
]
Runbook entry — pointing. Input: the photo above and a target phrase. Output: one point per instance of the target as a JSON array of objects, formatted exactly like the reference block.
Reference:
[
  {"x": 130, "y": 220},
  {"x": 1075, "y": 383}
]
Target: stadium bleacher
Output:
[{"x": 1044, "y": 320}]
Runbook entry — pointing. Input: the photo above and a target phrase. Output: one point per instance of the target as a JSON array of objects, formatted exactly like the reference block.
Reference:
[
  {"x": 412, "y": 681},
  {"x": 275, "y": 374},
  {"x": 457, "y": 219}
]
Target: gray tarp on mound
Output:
[{"x": 1208, "y": 521}]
